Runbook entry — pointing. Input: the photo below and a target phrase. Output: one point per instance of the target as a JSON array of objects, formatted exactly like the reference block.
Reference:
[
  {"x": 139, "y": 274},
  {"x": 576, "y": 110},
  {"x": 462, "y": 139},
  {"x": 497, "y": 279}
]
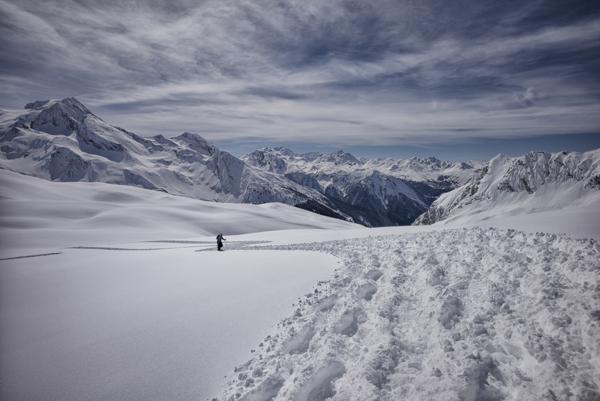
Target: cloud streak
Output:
[{"x": 345, "y": 72}]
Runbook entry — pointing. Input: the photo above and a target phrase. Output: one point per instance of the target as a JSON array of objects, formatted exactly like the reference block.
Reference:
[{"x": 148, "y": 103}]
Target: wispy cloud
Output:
[{"x": 339, "y": 71}]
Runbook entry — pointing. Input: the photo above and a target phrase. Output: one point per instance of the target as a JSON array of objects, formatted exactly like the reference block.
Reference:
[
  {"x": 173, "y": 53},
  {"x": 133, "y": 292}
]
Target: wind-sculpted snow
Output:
[{"x": 467, "y": 314}]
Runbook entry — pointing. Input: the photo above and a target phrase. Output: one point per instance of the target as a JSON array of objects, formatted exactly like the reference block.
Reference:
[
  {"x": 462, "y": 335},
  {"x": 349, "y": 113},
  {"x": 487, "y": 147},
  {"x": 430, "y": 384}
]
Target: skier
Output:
[{"x": 220, "y": 240}]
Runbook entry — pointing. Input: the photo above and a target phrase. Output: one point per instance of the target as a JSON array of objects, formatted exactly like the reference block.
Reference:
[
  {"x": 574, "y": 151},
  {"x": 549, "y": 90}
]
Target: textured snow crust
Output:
[{"x": 471, "y": 314}]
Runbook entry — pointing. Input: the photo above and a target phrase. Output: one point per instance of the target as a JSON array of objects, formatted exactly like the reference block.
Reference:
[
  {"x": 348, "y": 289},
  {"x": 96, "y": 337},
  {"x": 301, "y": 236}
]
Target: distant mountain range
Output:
[
  {"x": 62, "y": 140},
  {"x": 374, "y": 192}
]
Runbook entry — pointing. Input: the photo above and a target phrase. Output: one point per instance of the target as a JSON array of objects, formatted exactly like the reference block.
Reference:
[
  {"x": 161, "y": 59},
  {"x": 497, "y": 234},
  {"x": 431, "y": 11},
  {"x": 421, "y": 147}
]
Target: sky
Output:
[{"x": 457, "y": 79}]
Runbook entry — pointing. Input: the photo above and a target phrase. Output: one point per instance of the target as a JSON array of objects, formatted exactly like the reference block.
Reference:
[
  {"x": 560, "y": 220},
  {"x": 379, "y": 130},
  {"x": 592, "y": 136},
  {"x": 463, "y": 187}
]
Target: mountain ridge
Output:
[
  {"x": 534, "y": 181},
  {"x": 374, "y": 192},
  {"x": 63, "y": 140}
]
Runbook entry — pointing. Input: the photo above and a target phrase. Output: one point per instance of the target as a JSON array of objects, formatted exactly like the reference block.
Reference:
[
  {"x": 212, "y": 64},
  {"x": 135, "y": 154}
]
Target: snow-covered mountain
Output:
[
  {"x": 535, "y": 182},
  {"x": 374, "y": 192},
  {"x": 62, "y": 140}
]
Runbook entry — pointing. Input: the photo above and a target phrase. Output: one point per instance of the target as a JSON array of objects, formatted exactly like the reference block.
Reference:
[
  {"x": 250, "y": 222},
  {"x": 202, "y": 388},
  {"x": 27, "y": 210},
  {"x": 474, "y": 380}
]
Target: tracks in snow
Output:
[{"x": 451, "y": 315}]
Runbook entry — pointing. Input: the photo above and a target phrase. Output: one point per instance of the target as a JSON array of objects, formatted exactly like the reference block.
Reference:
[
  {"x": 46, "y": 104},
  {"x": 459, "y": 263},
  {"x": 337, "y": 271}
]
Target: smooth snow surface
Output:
[
  {"x": 467, "y": 315},
  {"x": 37, "y": 214},
  {"x": 141, "y": 325},
  {"x": 579, "y": 219}
]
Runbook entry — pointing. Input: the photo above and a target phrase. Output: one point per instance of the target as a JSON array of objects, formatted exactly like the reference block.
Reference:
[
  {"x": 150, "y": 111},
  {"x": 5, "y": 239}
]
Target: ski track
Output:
[
  {"x": 235, "y": 245},
  {"x": 470, "y": 314},
  {"x": 108, "y": 248},
  {"x": 169, "y": 241},
  {"x": 31, "y": 256}
]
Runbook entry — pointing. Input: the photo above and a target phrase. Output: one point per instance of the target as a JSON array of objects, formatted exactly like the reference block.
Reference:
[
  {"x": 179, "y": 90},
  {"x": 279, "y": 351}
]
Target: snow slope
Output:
[
  {"x": 413, "y": 313},
  {"x": 467, "y": 314},
  {"x": 37, "y": 214},
  {"x": 162, "y": 324},
  {"x": 104, "y": 296},
  {"x": 62, "y": 140},
  {"x": 537, "y": 182},
  {"x": 374, "y": 192}
]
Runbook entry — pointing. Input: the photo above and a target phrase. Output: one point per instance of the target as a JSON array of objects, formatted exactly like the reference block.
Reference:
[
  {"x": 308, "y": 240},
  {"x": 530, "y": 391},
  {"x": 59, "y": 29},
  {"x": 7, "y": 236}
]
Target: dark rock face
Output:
[
  {"x": 91, "y": 142},
  {"x": 373, "y": 211},
  {"x": 137, "y": 180},
  {"x": 304, "y": 179},
  {"x": 60, "y": 118},
  {"x": 65, "y": 165},
  {"x": 368, "y": 205}
]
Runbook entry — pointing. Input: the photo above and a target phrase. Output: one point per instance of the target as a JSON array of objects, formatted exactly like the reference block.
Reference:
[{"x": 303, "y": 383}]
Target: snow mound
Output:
[{"x": 467, "y": 314}]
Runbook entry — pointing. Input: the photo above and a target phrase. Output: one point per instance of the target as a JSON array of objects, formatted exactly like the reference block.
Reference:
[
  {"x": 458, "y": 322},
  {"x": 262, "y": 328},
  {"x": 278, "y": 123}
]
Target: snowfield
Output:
[
  {"x": 112, "y": 292},
  {"x": 468, "y": 314},
  {"x": 38, "y": 215},
  {"x": 163, "y": 324}
]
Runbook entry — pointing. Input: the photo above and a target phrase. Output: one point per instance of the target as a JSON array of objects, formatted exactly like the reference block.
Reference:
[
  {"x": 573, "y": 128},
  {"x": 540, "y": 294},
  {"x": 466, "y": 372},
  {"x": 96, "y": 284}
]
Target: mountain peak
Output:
[
  {"x": 284, "y": 151},
  {"x": 56, "y": 117},
  {"x": 341, "y": 157},
  {"x": 278, "y": 150},
  {"x": 190, "y": 135},
  {"x": 73, "y": 102},
  {"x": 196, "y": 142},
  {"x": 38, "y": 104},
  {"x": 67, "y": 104}
]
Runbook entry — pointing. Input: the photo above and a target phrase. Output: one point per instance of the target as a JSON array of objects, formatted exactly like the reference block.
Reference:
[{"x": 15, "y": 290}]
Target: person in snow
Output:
[{"x": 220, "y": 240}]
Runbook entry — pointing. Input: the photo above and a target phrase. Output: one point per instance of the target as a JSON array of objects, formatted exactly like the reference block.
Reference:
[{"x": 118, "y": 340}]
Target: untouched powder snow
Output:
[
  {"x": 101, "y": 324},
  {"x": 37, "y": 214},
  {"x": 580, "y": 218},
  {"x": 467, "y": 315}
]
